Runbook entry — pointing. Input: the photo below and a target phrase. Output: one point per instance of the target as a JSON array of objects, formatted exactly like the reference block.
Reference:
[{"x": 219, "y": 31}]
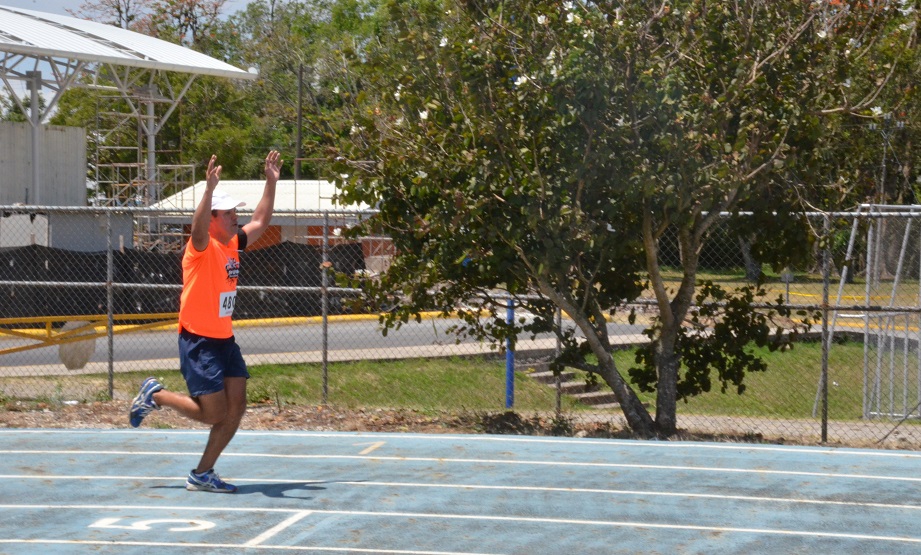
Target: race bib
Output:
[{"x": 228, "y": 300}]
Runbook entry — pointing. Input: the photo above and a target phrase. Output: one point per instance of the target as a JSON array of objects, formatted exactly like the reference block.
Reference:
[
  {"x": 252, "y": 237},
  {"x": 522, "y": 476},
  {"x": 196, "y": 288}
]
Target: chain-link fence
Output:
[{"x": 90, "y": 296}]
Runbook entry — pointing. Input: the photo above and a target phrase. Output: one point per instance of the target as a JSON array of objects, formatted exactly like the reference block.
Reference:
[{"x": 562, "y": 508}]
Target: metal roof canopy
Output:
[
  {"x": 306, "y": 195},
  {"x": 88, "y": 54}
]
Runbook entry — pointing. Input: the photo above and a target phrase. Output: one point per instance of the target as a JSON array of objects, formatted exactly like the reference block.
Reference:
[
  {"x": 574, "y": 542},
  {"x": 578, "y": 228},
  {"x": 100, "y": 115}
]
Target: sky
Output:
[{"x": 59, "y": 6}]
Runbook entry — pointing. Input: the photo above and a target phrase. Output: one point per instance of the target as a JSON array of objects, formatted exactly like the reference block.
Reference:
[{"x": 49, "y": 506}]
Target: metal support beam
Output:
[{"x": 34, "y": 85}]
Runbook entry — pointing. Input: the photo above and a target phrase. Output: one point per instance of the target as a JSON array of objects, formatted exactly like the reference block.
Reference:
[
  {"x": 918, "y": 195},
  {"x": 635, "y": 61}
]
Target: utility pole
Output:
[
  {"x": 300, "y": 106},
  {"x": 887, "y": 130}
]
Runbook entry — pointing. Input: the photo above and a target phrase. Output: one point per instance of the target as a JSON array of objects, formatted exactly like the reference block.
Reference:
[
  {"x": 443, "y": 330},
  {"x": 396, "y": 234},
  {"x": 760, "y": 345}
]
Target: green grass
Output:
[
  {"x": 786, "y": 390},
  {"x": 443, "y": 384}
]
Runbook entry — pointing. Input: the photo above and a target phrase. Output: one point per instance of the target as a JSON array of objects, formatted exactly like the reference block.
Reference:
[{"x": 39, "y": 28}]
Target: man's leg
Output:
[
  {"x": 207, "y": 409},
  {"x": 234, "y": 405}
]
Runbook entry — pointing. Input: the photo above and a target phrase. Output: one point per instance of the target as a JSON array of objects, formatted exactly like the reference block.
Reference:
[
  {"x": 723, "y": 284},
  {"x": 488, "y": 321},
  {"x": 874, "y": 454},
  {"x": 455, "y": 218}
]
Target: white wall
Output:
[
  {"x": 20, "y": 230},
  {"x": 63, "y": 170},
  {"x": 81, "y": 232},
  {"x": 87, "y": 232}
]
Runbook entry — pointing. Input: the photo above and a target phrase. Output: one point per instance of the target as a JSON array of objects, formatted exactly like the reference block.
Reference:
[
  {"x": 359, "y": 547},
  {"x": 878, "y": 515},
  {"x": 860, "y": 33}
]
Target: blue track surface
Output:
[{"x": 122, "y": 491}]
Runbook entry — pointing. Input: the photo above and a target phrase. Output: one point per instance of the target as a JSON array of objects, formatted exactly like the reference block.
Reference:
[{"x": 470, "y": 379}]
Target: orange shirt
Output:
[{"x": 209, "y": 288}]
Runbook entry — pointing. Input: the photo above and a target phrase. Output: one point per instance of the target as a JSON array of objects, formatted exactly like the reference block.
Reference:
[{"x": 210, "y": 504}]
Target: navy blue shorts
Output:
[{"x": 205, "y": 362}]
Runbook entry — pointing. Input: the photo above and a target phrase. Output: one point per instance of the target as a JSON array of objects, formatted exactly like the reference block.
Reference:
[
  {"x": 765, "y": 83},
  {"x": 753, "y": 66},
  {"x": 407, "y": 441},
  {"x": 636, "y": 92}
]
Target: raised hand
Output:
[
  {"x": 273, "y": 164},
  {"x": 213, "y": 174}
]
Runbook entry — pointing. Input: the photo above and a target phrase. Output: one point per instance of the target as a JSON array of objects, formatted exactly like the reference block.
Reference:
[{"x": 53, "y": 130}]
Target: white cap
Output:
[{"x": 222, "y": 201}]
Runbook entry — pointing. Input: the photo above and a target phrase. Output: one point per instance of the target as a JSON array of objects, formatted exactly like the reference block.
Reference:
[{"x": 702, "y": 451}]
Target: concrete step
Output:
[
  {"x": 574, "y": 387},
  {"x": 538, "y": 366},
  {"x": 607, "y": 406},
  {"x": 577, "y": 388},
  {"x": 547, "y": 376},
  {"x": 596, "y": 397}
]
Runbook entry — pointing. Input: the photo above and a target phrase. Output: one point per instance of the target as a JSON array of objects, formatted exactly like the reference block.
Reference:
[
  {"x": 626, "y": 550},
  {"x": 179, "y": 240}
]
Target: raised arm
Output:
[
  {"x": 262, "y": 214},
  {"x": 202, "y": 218}
]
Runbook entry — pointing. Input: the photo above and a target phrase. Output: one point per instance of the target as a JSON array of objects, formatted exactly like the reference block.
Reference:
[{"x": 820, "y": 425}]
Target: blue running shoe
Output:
[
  {"x": 208, "y": 481},
  {"x": 144, "y": 403}
]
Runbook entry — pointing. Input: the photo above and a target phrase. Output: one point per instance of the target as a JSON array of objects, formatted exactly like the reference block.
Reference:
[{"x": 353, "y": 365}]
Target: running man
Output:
[{"x": 209, "y": 357}]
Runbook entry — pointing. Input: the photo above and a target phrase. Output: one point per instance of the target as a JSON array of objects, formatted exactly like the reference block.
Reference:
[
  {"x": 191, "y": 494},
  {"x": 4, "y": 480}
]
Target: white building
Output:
[{"x": 305, "y": 211}]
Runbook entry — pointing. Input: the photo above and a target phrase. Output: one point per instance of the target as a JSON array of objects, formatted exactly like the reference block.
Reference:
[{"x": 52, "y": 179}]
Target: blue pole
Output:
[{"x": 509, "y": 359}]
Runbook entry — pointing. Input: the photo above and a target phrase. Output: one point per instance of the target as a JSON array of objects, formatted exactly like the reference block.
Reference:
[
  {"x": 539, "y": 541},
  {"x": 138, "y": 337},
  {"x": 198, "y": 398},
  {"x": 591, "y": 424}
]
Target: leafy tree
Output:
[
  {"x": 546, "y": 151},
  {"x": 10, "y": 110},
  {"x": 279, "y": 39},
  {"x": 186, "y": 22},
  {"x": 127, "y": 14},
  {"x": 306, "y": 40}
]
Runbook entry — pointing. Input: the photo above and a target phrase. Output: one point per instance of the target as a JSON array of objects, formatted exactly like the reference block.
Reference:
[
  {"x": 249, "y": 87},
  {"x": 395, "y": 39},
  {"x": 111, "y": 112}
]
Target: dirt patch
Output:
[{"x": 114, "y": 415}]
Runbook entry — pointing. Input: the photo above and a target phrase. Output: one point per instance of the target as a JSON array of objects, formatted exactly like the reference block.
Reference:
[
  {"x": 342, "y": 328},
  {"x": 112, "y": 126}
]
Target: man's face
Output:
[{"x": 224, "y": 225}]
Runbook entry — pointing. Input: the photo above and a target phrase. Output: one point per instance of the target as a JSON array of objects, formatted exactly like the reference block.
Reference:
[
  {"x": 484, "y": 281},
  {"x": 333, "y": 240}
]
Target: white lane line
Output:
[
  {"x": 641, "y": 493},
  {"x": 472, "y": 438},
  {"x": 511, "y": 519},
  {"x": 479, "y": 487},
  {"x": 298, "y": 548},
  {"x": 443, "y": 460},
  {"x": 276, "y": 529}
]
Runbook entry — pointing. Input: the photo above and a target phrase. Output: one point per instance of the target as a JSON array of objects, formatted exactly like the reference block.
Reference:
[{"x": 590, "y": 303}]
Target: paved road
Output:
[{"x": 348, "y": 339}]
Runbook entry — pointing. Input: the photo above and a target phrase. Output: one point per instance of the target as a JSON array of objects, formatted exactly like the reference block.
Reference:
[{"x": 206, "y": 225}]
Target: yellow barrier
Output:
[{"x": 48, "y": 336}]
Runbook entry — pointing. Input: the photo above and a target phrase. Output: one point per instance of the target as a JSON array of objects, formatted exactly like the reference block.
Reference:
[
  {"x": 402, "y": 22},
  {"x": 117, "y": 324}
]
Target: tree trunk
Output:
[
  {"x": 638, "y": 418},
  {"x": 752, "y": 266},
  {"x": 668, "y": 363},
  {"x": 672, "y": 314}
]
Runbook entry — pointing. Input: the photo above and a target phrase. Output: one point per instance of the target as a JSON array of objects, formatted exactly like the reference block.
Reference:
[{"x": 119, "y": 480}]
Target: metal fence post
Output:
[
  {"x": 510, "y": 358},
  {"x": 556, "y": 354},
  {"x": 324, "y": 276},
  {"x": 826, "y": 339},
  {"x": 110, "y": 304}
]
